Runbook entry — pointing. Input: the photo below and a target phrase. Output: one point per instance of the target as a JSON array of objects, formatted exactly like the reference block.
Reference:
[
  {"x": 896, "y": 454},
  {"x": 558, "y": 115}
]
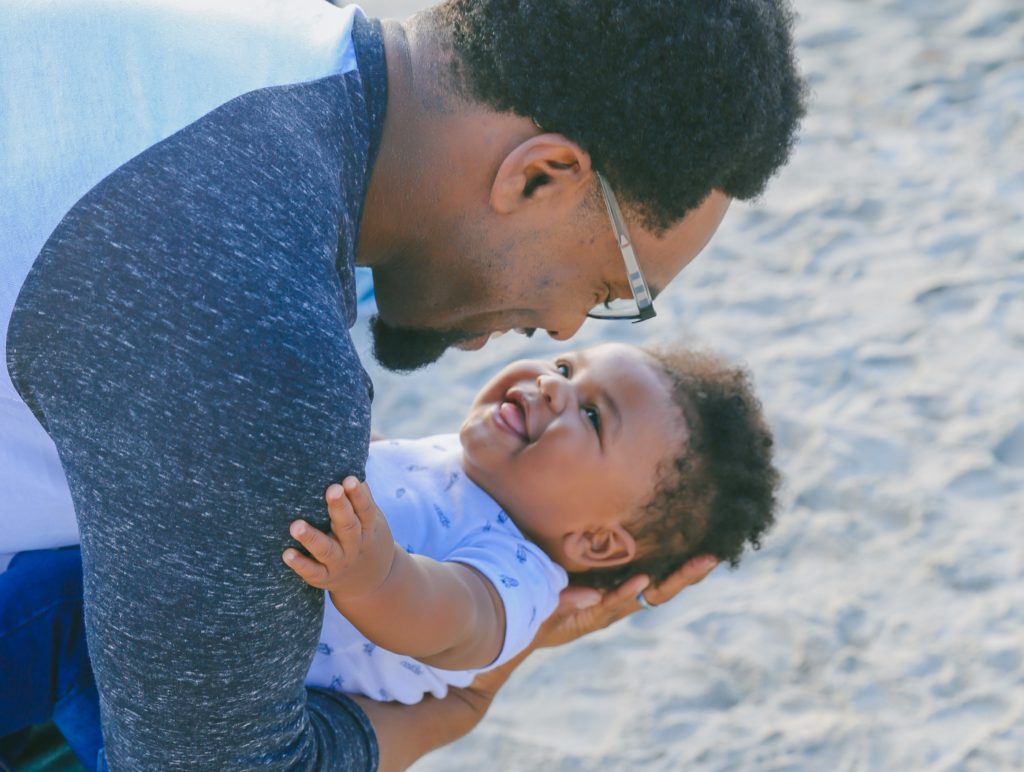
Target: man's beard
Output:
[{"x": 405, "y": 349}]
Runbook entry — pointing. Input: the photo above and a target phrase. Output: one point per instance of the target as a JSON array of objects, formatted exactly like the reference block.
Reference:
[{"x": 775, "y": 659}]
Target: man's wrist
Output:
[{"x": 487, "y": 684}]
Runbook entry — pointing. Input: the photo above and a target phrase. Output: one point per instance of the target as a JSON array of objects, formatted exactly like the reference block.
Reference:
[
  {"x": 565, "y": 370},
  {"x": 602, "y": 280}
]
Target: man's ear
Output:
[
  {"x": 601, "y": 547},
  {"x": 541, "y": 168}
]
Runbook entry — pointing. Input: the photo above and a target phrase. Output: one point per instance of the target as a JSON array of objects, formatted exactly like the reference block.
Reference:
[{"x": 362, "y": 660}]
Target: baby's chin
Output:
[
  {"x": 476, "y": 474},
  {"x": 471, "y": 433},
  {"x": 472, "y": 422}
]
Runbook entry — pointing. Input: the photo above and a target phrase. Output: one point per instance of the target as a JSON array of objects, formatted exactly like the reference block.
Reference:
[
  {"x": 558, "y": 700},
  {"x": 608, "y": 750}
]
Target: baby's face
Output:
[{"x": 572, "y": 444}]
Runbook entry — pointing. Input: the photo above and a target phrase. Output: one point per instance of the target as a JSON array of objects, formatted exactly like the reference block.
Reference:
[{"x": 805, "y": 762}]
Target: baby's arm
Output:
[{"x": 442, "y": 613}]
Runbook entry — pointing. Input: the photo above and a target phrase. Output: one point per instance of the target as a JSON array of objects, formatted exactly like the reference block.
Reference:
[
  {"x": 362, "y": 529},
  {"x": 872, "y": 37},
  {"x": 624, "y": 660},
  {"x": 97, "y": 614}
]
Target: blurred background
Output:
[{"x": 877, "y": 294}]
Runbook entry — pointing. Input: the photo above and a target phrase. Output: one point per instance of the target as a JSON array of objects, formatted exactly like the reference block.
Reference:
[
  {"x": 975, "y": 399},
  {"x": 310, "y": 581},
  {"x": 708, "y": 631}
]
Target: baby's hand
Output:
[{"x": 353, "y": 559}]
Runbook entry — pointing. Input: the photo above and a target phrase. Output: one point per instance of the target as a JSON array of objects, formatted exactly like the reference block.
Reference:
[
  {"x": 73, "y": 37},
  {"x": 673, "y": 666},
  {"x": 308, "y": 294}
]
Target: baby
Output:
[{"x": 600, "y": 465}]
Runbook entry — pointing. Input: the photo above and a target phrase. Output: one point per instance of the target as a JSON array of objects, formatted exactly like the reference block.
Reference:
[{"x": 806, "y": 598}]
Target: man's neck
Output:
[
  {"x": 439, "y": 149},
  {"x": 381, "y": 217}
]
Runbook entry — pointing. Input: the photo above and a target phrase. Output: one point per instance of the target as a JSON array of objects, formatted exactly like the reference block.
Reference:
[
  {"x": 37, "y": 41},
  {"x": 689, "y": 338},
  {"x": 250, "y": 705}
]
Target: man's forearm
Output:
[{"x": 406, "y": 733}]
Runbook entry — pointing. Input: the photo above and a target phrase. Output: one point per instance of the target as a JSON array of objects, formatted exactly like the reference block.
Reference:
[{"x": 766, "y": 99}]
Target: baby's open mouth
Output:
[{"x": 513, "y": 416}]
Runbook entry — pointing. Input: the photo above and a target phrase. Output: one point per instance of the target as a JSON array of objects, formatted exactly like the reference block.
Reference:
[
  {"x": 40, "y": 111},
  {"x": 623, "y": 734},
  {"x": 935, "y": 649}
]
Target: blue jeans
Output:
[{"x": 43, "y": 655}]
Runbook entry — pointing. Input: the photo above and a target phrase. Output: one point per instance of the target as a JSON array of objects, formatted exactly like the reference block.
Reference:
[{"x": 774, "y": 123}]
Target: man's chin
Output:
[{"x": 404, "y": 349}]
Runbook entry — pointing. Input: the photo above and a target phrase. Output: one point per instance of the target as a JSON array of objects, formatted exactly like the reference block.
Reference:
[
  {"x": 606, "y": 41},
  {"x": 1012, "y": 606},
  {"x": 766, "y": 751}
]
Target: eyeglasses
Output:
[{"x": 641, "y": 307}]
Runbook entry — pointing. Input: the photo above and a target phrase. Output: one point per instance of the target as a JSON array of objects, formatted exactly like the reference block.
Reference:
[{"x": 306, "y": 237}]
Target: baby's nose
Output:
[{"x": 555, "y": 390}]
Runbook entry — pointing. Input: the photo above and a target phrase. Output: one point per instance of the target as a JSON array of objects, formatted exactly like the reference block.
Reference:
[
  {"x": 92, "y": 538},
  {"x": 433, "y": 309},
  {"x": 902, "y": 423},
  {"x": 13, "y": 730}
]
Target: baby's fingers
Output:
[
  {"x": 344, "y": 523},
  {"x": 312, "y": 573},
  {"x": 317, "y": 543},
  {"x": 362, "y": 501}
]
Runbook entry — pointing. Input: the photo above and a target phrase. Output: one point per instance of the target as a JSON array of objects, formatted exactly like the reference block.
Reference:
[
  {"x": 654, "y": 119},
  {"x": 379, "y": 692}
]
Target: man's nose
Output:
[
  {"x": 568, "y": 329},
  {"x": 556, "y": 391}
]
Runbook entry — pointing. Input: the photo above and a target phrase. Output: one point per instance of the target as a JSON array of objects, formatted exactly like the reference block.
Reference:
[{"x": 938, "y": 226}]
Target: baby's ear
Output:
[{"x": 603, "y": 547}]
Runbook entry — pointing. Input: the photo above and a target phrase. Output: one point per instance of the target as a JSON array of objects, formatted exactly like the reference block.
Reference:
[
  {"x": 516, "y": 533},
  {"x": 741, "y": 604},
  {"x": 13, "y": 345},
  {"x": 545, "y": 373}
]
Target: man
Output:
[{"x": 186, "y": 190}]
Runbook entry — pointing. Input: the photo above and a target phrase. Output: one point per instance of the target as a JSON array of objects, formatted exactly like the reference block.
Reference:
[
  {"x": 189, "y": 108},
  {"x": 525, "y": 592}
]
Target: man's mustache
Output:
[{"x": 404, "y": 349}]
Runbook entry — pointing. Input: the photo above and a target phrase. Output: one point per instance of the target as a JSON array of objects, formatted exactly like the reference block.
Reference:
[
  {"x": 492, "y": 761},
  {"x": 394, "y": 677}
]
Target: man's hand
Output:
[
  {"x": 583, "y": 610},
  {"x": 406, "y": 732},
  {"x": 355, "y": 558}
]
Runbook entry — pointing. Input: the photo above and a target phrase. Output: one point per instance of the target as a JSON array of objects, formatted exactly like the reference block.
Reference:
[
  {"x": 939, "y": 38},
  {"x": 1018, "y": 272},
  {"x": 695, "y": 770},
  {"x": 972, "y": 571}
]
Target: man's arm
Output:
[
  {"x": 406, "y": 733},
  {"x": 443, "y": 613}
]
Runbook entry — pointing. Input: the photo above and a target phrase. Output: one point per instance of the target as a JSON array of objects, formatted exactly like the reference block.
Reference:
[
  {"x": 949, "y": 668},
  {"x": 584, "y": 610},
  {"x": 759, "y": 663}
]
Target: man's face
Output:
[{"x": 542, "y": 269}]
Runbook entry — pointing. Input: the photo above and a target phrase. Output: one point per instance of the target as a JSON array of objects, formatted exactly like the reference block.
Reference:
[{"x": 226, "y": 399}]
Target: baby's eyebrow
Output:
[
  {"x": 614, "y": 408},
  {"x": 606, "y": 397}
]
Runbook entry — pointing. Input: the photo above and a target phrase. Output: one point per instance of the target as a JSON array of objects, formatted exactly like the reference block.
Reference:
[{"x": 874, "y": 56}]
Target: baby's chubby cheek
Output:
[{"x": 482, "y": 457}]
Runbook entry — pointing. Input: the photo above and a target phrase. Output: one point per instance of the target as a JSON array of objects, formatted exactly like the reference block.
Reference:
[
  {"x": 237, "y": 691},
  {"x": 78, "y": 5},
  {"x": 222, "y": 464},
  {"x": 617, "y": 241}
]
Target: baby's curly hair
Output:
[
  {"x": 671, "y": 98},
  {"x": 720, "y": 493}
]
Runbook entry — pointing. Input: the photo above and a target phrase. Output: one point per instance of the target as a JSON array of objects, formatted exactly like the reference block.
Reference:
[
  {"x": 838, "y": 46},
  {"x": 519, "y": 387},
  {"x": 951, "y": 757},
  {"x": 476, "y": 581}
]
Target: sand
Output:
[{"x": 877, "y": 294}]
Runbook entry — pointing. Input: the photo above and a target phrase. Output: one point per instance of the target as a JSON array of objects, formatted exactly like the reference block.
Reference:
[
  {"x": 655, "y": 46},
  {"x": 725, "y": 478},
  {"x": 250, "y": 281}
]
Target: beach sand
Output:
[{"x": 877, "y": 294}]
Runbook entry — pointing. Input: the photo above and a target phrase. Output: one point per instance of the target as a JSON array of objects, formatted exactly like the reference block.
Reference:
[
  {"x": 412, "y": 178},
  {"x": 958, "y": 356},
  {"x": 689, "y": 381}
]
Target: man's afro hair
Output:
[{"x": 671, "y": 98}]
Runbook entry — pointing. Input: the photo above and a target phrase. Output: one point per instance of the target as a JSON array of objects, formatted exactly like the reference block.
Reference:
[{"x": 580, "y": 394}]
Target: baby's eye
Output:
[
  {"x": 563, "y": 369},
  {"x": 594, "y": 417}
]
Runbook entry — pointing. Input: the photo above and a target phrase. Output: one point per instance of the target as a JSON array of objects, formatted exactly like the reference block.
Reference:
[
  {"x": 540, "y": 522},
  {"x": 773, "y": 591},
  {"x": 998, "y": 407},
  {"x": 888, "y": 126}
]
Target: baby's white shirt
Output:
[{"x": 435, "y": 510}]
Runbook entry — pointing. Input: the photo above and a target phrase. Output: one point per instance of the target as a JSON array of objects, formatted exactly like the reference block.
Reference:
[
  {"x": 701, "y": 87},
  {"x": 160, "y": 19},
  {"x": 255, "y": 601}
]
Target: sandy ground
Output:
[{"x": 877, "y": 293}]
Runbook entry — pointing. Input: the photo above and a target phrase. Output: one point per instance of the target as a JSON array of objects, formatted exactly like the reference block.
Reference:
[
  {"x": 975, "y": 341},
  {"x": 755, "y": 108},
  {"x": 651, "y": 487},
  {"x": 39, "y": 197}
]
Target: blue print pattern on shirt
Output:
[
  {"x": 337, "y": 683},
  {"x": 399, "y": 493},
  {"x": 324, "y": 649},
  {"x": 412, "y": 667},
  {"x": 442, "y": 517},
  {"x": 368, "y": 649},
  {"x": 461, "y": 523}
]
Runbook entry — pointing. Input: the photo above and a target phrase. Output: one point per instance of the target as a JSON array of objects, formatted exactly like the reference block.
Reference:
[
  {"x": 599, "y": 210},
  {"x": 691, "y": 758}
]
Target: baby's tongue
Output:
[{"x": 513, "y": 416}]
